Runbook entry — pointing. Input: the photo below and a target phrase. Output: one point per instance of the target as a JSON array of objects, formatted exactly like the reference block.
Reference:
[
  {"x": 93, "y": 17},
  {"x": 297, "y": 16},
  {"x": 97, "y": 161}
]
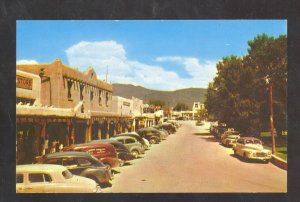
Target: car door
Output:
[
  {"x": 130, "y": 143},
  {"x": 37, "y": 182},
  {"x": 20, "y": 183}
]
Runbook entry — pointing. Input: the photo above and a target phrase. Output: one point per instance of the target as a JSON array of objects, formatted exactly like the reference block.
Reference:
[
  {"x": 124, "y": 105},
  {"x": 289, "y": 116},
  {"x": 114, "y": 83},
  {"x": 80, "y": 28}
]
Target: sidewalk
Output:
[{"x": 279, "y": 162}]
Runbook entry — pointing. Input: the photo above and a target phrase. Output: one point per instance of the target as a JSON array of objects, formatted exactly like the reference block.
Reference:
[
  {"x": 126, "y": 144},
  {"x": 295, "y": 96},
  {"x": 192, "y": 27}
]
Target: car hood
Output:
[{"x": 258, "y": 147}]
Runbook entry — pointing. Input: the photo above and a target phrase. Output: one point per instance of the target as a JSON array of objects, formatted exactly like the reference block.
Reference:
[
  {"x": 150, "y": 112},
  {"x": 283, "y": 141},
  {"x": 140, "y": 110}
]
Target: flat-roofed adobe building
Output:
[{"x": 58, "y": 103}]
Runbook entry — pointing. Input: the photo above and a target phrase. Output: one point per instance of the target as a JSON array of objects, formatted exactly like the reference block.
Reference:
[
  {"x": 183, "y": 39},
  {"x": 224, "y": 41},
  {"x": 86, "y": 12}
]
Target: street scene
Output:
[
  {"x": 191, "y": 160},
  {"x": 144, "y": 107}
]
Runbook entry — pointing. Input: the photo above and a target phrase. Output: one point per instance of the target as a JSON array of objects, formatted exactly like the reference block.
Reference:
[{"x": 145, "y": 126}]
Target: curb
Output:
[{"x": 279, "y": 162}]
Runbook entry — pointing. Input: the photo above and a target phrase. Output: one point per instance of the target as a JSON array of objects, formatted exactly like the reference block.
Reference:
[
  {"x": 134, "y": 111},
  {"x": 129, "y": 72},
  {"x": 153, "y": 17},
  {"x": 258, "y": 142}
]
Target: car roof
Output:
[
  {"x": 67, "y": 154},
  {"x": 89, "y": 145},
  {"x": 39, "y": 167},
  {"x": 103, "y": 141},
  {"x": 123, "y": 137},
  {"x": 250, "y": 138}
]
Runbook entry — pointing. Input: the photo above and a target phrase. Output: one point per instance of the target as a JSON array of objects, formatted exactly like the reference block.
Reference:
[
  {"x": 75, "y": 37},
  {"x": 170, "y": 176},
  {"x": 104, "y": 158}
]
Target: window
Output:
[
  {"x": 67, "y": 174},
  {"x": 129, "y": 141},
  {"x": 84, "y": 162},
  {"x": 53, "y": 161},
  {"x": 39, "y": 177},
  {"x": 107, "y": 97},
  {"x": 19, "y": 178},
  {"x": 69, "y": 162},
  {"x": 91, "y": 95},
  {"x": 100, "y": 97},
  {"x": 81, "y": 86},
  {"x": 70, "y": 84}
]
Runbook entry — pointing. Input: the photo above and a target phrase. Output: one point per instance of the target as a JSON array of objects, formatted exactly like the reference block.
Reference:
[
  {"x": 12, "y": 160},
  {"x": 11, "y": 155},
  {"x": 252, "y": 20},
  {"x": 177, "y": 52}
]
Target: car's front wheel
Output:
[
  {"x": 152, "y": 141},
  {"x": 245, "y": 157},
  {"x": 135, "y": 153}
]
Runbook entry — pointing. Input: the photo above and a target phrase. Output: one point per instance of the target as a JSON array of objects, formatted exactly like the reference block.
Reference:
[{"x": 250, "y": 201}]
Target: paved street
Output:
[{"x": 189, "y": 161}]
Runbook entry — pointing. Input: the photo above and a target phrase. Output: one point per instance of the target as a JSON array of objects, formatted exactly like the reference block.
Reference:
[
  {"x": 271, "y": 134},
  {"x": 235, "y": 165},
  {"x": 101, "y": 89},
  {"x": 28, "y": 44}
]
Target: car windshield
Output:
[
  {"x": 67, "y": 174},
  {"x": 253, "y": 142},
  {"x": 232, "y": 136}
]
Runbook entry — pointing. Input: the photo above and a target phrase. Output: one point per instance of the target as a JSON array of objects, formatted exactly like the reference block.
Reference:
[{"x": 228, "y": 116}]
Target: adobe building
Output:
[{"x": 58, "y": 104}]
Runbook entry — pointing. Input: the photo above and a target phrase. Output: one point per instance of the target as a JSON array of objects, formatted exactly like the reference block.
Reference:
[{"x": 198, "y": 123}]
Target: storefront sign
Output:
[{"x": 23, "y": 82}]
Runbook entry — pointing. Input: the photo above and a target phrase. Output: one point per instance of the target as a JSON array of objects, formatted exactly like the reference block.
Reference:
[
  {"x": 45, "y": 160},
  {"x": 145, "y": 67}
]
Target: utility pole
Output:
[{"x": 271, "y": 113}]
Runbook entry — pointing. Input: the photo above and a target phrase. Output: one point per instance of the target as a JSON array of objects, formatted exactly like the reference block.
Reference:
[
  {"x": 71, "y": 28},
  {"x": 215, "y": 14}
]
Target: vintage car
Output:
[
  {"x": 229, "y": 132},
  {"x": 164, "y": 133},
  {"x": 123, "y": 153},
  {"x": 199, "y": 123},
  {"x": 168, "y": 126},
  {"x": 153, "y": 135},
  {"x": 132, "y": 145},
  {"x": 44, "y": 178},
  {"x": 217, "y": 130},
  {"x": 103, "y": 151},
  {"x": 81, "y": 163},
  {"x": 229, "y": 140},
  {"x": 251, "y": 148},
  {"x": 136, "y": 136}
]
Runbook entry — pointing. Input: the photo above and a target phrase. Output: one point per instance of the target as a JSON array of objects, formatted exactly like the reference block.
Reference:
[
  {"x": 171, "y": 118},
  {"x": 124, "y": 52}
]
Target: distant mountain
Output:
[{"x": 171, "y": 98}]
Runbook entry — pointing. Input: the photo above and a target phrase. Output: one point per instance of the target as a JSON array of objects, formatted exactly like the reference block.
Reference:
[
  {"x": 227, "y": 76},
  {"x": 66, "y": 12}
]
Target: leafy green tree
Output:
[
  {"x": 160, "y": 103},
  {"x": 239, "y": 97},
  {"x": 181, "y": 107},
  {"x": 268, "y": 57}
]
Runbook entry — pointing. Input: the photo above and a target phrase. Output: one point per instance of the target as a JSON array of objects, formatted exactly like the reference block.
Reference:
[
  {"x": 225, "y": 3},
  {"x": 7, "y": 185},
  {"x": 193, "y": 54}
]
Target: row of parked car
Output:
[
  {"x": 246, "y": 147},
  {"x": 88, "y": 166}
]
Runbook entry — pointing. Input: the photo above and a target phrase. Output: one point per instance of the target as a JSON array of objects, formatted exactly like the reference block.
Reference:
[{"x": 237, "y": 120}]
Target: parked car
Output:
[
  {"x": 81, "y": 163},
  {"x": 123, "y": 153},
  {"x": 199, "y": 123},
  {"x": 103, "y": 151},
  {"x": 230, "y": 132},
  {"x": 251, "y": 148},
  {"x": 151, "y": 134},
  {"x": 175, "y": 123},
  {"x": 44, "y": 178},
  {"x": 169, "y": 127},
  {"x": 132, "y": 145},
  {"x": 136, "y": 136},
  {"x": 164, "y": 132},
  {"x": 229, "y": 140},
  {"x": 217, "y": 131}
]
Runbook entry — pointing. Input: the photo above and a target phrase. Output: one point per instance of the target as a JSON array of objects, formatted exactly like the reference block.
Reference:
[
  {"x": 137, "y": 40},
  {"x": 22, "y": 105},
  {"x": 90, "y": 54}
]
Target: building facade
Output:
[{"x": 59, "y": 105}]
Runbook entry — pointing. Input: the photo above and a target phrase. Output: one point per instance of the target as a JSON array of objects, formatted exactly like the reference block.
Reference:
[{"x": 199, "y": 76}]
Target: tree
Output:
[
  {"x": 269, "y": 59},
  {"x": 160, "y": 103},
  {"x": 181, "y": 107},
  {"x": 238, "y": 94}
]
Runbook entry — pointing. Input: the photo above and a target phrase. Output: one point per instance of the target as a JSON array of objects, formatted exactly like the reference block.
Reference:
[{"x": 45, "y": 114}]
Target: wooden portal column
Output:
[{"x": 88, "y": 131}]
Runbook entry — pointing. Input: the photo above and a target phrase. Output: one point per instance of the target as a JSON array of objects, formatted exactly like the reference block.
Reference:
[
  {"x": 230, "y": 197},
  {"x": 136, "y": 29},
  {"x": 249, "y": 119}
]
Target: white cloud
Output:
[
  {"x": 103, "y": 54},
  {"x": 19, "y": 62}
]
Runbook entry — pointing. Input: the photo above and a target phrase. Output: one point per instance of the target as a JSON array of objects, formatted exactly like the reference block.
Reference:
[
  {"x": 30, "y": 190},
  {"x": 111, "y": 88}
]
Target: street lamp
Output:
[{"x": 267, "y": 78}]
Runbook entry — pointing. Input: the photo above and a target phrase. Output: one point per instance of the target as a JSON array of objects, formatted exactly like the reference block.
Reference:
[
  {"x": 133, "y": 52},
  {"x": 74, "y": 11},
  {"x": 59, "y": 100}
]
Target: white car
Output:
[
  {"x": 230, "y": 140},
  {"x": 251, "y": 148},
  {"x": 48, "y": 178}
]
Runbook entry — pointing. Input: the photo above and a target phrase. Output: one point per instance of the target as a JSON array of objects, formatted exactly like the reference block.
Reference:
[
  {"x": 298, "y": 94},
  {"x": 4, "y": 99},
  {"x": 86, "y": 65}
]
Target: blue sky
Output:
[{"x": 160, "y": 54}]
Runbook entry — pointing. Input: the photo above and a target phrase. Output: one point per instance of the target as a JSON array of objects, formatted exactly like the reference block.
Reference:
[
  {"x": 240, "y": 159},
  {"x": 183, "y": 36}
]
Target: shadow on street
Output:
[{"x": 252, "y": 161}]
